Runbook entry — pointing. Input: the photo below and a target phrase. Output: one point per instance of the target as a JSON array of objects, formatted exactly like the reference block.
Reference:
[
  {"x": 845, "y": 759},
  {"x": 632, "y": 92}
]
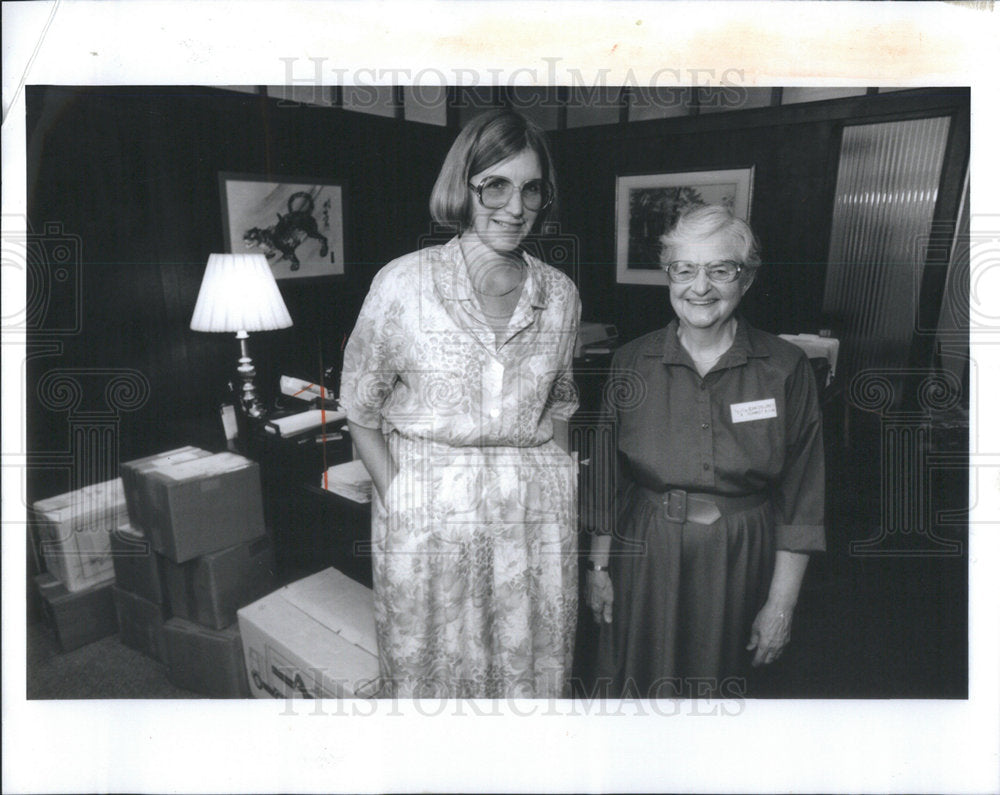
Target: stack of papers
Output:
[
  {"x": 349, "y": 480},
  {"x": 304, "y": 421}
]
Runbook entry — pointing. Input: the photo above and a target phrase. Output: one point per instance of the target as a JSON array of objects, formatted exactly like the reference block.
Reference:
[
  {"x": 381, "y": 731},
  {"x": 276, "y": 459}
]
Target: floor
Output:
[{"x": 103, "y": 669}]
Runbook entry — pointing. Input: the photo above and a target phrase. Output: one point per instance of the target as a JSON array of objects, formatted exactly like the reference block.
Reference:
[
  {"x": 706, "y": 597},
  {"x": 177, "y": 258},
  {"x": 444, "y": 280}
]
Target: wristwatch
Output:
[{"x": 591, "y": 566}]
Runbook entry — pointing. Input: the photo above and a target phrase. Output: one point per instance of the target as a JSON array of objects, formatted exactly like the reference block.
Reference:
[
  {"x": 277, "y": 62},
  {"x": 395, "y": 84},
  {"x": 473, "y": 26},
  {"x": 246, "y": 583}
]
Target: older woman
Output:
[
  {"x": 720, "y": 481},
  {"x": 457, "y": 382}
]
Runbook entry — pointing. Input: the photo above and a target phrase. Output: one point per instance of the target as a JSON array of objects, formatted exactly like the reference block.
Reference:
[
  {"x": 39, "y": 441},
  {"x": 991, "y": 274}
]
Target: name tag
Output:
[{"x": 754, "y": 410}]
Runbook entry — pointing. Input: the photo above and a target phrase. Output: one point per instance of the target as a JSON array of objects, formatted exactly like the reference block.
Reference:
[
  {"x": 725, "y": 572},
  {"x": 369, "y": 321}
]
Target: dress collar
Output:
[
  {"x": 451, "y": 276},
  {"x": 672, "y": 352}
]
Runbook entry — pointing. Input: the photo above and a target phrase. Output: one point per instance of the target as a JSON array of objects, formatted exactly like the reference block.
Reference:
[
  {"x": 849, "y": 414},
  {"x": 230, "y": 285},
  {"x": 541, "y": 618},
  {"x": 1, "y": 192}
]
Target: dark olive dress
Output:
[{"x": 747, "y": 435}]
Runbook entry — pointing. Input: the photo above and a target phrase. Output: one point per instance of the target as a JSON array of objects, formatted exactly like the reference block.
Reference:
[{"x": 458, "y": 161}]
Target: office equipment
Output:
[
  {"x": 312, "y": 420},
  {"x": 817, "y": 347},
  {"x": 303, "y": 390},
  {"x": 595, "y": 338}
]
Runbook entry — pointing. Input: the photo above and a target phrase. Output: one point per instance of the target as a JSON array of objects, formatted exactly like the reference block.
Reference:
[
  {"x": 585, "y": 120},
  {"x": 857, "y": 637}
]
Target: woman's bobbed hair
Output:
[
  {"x": 488, "y": 139},
  {"x": 699, "y": 224}
]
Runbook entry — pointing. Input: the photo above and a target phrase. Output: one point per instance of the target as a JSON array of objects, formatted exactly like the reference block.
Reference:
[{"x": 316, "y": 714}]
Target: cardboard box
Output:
[
  {"x": 314, "y": 638},
  {"x": 207, "y": 661},
  {"x": 140, "y": 623},
  {"x": 77, "y": 617},
  {"x": 137, "y": 497},
  {"x": 204, "y": 505},
  {"x": 74, "y": 533},
  {"x": 211, "y": 588},
  {"x": 137, "y": 566}
]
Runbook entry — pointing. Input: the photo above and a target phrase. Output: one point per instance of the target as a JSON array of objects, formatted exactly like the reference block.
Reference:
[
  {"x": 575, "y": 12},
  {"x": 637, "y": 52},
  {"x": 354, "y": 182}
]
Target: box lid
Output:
[
  {"x": 176, "y": 456},
  {"x": 338, "y": 603},
  {"x": 107, "y": 498},
  {"x": 288, "y": 651},
  {"x": 204, "y": 467}
]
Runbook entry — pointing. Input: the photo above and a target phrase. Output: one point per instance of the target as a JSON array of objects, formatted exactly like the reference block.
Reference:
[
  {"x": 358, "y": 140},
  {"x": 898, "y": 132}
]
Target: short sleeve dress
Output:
[
  {"x": 748, "y": 432},
  {"x": 474, "y": 548}
]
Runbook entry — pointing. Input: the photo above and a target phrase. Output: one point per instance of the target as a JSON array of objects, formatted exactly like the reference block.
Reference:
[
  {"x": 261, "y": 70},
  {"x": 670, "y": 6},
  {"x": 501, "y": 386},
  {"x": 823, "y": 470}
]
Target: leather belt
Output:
[{"x": 688, "y": 506}]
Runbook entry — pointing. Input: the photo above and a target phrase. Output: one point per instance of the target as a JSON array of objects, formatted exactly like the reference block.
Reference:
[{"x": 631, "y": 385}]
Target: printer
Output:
[{"x": 593, "y": 339}]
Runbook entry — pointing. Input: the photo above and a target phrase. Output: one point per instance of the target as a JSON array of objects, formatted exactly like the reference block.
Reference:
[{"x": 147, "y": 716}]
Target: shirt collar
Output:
[
  {"x": 744, "y": 346},
  {"x": 453, "y": 282}
]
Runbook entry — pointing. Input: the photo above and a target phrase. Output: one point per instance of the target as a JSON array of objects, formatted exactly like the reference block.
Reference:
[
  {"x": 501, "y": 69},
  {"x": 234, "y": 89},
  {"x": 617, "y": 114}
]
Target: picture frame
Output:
[
  {"x": 647, "y": 206},
  {"x": 296, "y": 222}
]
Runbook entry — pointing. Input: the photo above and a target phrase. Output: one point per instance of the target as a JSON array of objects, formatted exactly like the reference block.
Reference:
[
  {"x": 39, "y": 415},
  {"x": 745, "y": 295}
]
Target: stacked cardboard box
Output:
[
  {"x": 74, "y": 533},
  {"x": 203, "y": 516},
  {"x": 203, "y": 505},
  {"x": 77, "y": 617},
  {"x": 74, "y": 537},
  {"x": 211, "y": 588},
  {"x": 314, "y": 638},
  {"x": 137, "y": 497},
  {"x": 140, "y": 600},
  {"x": 207, "y": 661}
]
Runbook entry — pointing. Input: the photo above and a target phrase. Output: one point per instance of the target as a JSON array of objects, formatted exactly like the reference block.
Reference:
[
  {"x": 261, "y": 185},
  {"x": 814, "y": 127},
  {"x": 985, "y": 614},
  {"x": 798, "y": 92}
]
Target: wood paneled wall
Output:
[
  {"x": 129, "y": 176},
  {"x": 794, "y": 152}
]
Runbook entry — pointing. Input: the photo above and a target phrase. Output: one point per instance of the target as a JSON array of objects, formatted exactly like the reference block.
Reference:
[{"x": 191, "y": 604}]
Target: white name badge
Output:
[{"x": 754, "y": 410}]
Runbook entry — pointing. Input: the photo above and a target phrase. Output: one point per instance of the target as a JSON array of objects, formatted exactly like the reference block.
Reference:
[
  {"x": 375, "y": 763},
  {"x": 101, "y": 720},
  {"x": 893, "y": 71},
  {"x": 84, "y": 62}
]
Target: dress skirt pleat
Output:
[{"x": 685, "y": 597}]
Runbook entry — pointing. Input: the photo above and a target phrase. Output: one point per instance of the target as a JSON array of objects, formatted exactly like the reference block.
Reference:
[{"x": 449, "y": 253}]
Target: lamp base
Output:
[{"x": 251, "y": 405}]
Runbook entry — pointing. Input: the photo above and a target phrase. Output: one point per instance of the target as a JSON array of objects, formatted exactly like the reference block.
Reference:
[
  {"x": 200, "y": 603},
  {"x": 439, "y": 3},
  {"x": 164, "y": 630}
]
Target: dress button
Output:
[
  {"x": 705, "y": 467},
  {"x": 704, "y": 426},
  {"x": 494, "y": 413}
]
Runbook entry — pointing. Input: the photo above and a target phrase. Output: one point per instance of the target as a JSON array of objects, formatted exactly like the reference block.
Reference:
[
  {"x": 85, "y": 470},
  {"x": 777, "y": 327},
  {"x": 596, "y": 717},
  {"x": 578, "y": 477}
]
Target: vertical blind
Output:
[{"x": 887, "y": 187}]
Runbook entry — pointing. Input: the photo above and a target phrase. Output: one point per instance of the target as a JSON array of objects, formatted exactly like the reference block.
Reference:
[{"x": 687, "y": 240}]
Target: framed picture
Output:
[
  {"x": 648, "y": 205},
  {"x": 296, "y": 222}
]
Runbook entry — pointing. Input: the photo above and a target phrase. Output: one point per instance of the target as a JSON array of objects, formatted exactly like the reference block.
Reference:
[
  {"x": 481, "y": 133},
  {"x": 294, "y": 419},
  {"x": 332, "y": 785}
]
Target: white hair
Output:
[{"x": 701, "y": 223}]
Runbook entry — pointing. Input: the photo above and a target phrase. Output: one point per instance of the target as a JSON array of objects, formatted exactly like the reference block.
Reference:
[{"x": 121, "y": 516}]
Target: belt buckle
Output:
[{"x": 676, "y": 503}]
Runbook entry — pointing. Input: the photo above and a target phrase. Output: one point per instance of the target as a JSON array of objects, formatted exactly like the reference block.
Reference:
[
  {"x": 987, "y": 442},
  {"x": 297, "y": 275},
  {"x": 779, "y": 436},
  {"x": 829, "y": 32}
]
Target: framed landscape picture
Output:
[
  {"x": 296, "y": 222},
  {"x": 648, "y": 205}
]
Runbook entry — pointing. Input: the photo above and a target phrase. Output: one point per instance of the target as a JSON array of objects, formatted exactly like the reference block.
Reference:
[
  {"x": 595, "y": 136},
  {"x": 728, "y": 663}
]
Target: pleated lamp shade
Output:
[{"x": 239, "y": 293}]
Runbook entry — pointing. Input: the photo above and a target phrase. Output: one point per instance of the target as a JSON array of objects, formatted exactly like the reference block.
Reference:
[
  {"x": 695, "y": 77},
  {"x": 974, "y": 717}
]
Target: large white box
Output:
[
  {"x": 74, "y": 533},
  {"x": 314, "y": 638}
]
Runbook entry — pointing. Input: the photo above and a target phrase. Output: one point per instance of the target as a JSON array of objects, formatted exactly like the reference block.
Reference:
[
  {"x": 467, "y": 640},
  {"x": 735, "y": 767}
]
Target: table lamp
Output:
[{"x": 239, "y": 294}]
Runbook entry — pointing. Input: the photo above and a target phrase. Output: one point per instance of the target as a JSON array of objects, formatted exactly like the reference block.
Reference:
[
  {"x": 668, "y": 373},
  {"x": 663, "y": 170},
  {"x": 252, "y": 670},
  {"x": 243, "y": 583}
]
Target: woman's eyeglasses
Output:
[
  {"x": 721, "y": 272},
  {"x": 495, "y": 192}
]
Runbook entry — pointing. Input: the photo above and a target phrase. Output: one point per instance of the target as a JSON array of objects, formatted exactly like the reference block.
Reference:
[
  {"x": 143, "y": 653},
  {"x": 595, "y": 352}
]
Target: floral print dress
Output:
[{"x": 474, "y": 547}]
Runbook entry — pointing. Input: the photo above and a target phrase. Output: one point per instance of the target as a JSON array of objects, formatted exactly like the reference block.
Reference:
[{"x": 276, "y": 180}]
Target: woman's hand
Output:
[
  {"x": 772, "y": 628},
  {"x": 374, "y": 452},
  {"x": 771, "y": 631},
  {"x": 600, "y": 596}
]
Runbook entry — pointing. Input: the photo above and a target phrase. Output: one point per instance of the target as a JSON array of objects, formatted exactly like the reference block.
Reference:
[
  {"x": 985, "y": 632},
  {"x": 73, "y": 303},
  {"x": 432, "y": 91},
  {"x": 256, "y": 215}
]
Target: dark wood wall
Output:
[
  {"x": 129, "y": 177},
  {"x": 126, "y": 180}
]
